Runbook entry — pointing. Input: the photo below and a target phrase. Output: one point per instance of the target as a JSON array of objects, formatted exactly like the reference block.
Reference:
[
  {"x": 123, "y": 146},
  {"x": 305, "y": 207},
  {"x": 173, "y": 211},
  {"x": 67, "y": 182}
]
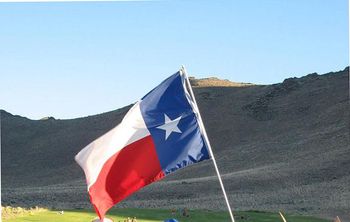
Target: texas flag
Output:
[{"x": 159, "y": 135}]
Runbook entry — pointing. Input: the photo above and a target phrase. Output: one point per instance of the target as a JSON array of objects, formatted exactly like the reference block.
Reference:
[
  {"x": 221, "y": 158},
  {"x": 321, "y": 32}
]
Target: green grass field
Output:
[{"x": 152, "y": 215}]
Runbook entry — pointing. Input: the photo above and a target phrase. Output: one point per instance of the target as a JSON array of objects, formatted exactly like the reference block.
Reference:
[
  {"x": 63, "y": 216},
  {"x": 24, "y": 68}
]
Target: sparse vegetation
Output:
[{"x": 9, "y": 212}]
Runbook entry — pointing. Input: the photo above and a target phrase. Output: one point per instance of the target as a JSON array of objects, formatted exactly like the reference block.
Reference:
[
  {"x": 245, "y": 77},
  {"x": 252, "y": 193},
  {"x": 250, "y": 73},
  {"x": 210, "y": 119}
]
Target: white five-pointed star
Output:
[{"x": 170, "y": 126}]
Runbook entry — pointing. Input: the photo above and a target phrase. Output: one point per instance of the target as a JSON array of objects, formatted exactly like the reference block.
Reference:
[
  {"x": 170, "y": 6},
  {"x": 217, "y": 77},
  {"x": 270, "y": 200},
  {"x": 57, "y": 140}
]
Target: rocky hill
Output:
[
  {"x": 215, "y": 82},
  {"x": 284, "y": 147}
]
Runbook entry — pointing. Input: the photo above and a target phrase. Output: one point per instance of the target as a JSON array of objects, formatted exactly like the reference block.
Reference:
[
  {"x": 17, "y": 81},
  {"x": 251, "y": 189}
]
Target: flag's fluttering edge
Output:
[{"x": 159, "y": 135}]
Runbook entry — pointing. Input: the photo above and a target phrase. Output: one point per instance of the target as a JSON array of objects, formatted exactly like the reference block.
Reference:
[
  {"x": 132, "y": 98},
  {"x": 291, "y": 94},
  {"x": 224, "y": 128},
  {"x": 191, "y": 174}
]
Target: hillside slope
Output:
[{"x": 282, "y": 146}]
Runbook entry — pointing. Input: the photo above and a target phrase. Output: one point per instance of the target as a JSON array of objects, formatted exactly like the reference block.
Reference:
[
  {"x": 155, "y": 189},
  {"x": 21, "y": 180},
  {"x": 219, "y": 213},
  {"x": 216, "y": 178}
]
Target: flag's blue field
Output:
[{"x": 156, "y": 215}]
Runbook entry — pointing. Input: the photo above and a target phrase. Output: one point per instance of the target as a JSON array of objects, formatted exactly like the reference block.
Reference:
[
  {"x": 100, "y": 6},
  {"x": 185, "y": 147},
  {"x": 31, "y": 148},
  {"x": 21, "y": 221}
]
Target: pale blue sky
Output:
[{"x": 70, "y": 60}]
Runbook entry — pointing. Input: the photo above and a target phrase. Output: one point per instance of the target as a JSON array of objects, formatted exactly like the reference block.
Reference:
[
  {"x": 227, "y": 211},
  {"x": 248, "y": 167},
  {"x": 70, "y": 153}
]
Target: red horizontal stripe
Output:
[{"x": 127, "y": 171}]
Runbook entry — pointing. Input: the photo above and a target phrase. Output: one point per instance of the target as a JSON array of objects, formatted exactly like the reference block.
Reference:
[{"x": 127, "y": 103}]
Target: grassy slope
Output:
[{"x": 147, "y": 215}]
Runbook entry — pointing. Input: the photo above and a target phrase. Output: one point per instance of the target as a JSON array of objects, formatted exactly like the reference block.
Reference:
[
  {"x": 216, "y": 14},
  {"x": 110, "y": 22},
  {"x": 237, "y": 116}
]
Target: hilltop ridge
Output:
[{"x": 215, "y": 82}]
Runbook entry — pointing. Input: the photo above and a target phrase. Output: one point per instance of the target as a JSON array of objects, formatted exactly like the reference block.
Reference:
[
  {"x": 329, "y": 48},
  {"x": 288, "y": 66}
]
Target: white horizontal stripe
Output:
[{"x": 94, "y": 155}]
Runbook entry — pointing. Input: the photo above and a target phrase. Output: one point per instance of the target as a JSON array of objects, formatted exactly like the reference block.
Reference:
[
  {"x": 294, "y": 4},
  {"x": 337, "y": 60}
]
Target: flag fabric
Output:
[{"x": 159, "y": 135}]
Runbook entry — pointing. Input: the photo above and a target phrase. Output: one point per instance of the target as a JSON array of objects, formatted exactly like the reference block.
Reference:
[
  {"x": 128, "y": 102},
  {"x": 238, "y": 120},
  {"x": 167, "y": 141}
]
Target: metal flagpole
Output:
[
  {"x": 284, "y": 219},
  {"x": 206, "y": 139}
]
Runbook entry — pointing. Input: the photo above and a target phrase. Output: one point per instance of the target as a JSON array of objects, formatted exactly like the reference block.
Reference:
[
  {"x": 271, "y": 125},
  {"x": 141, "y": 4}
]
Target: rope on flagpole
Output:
[{"x": 206, "y": 139}]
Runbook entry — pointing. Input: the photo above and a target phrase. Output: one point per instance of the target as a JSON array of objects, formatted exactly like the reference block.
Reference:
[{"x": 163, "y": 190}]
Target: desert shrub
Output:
[{"x": 12, "y": 212}]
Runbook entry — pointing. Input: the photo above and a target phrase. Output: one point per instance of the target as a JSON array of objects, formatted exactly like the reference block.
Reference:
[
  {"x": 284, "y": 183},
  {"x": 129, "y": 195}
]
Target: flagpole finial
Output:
[{"x": 182, "y": 68}]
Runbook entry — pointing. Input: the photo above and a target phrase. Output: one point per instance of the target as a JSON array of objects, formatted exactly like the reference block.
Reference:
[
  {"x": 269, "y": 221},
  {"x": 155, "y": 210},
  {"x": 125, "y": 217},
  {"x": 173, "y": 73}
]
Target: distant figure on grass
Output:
[
  {"x": 185, "y": 212},
  {"x": 173, "y": 211}
]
